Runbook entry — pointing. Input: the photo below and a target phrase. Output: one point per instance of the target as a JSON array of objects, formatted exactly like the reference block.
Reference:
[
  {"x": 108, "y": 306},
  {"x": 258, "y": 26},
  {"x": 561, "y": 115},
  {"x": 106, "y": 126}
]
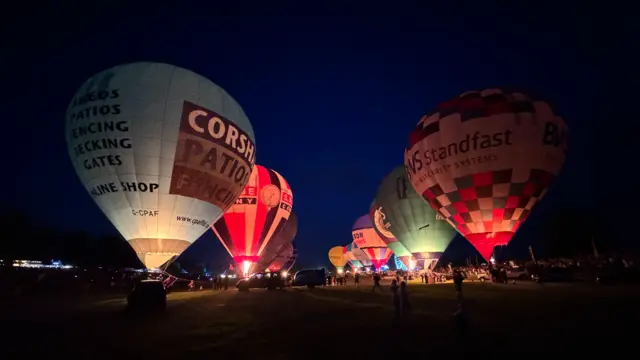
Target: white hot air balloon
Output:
[{"x": 163, "y": 152}]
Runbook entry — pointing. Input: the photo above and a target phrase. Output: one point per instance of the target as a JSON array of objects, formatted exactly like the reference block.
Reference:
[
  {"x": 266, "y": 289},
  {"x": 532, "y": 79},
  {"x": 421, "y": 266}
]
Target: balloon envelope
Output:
[
  {"x": 483, "y": 160},
  {"x": 336, "y": 257},
  {"x": 279, "y": 242},
  {"x": 292, "y": 260},
  {"x": 261, "y": 211},
  {"x": 418, "y": 227},
  {"x": 162, "y": 150},
  {"x": 368, "y": 240},
  {"x": 347, "y": 251},
  {"x": 283, "y": 256},
  {"x": 382, "y": 225}
]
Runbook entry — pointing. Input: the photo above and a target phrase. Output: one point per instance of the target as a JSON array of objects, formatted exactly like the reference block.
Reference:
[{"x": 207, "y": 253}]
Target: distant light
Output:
[
  {"x": 284, "y": 274},
  {"x": 340, "y": 271}
]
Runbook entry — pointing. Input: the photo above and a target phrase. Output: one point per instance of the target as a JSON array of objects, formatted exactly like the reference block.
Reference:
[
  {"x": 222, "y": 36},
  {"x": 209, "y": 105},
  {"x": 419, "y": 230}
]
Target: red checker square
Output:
[
  {"x": 498, "y": 108},
  {"x": 512, "y": 202},
  {"x": 482, "y": 179},
  {"x": 458, "y": 219},
  {"x": 488, "y": 226},
  {"x": 461, "y": 207},
  {"x": 463, "y": 229},
  {"x": 468, "y": 194},
  {"x": 529, "y": 189},
  {"x": 427, "y": 194},
  {"x": 497, "y": 214}
]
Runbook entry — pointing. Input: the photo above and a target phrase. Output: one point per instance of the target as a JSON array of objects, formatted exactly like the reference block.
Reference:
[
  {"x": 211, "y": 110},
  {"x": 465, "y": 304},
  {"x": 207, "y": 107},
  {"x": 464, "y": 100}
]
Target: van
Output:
[{"x": 309, "y": 278}]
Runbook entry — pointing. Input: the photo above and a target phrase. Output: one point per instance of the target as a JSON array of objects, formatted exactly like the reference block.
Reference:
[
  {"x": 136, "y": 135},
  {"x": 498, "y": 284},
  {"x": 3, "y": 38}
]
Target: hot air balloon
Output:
[
  {"x": 260, "y": 212},
  {"x": 360, "y": 255},
  {"x": 483, "y": 159},
  {"x": 400, "y": 265},
  {"x": 351, "y": 258},
  {"x": 163, "y": 152},
  {"x": 420, "y": 229},
  {"x": 382, "y": 227},
  {"x": 337, "y": 259},
  {"x": 368, "y": 240},
  {"x": 279, "y": 242},
  {"x": 292, "y": 260},
  {"x": 278, "y": 262}
]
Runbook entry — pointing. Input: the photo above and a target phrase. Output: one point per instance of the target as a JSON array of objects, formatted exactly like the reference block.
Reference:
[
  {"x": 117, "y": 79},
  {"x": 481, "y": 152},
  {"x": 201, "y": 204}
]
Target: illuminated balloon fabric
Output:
[
  {"x": 346, "y": 250},
  {"x": 400, "y": 265},
  {"x": 336, "y": 257},
  {"x": 364, "y": 235},
  {"x": 378, "y": 255},
  {"x": 292, "y": 260},
  {"x": 285, "y": 254},
  {"x": 163, "y": 152},
  {"x": 408, "y": 261},
  {"x": 279, "y": 241},
  {"x": 382, "y": 226},
  {"x": 418, "y": 228},
  {"x": 258, "y": 215},
  {"x": 484, "y": 159},
  {"x": 359, "y": 255}
]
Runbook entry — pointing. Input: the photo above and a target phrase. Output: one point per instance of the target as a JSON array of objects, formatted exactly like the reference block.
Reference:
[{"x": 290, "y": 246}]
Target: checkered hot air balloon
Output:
[
  {"x": 258, "y": 215},
  {"x": 482, "y": 160}
]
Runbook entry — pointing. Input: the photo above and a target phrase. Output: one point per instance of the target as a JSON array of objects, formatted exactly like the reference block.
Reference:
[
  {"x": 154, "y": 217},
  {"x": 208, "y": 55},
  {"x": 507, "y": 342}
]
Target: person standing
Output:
[
  {"x": 376, "y": 282},
  {"x": 396, "y": 298},
  {"x": 404, "y": 297},
  {"x": 458, "y": 278}
]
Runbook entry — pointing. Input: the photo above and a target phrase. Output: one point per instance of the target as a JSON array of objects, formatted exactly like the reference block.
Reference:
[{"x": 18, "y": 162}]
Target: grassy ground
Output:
[{"x": 336, "y": 321}]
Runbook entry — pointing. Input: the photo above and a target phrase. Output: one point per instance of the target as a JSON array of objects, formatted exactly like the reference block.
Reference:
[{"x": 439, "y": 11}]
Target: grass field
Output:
[{"x": 343, "y": 322}]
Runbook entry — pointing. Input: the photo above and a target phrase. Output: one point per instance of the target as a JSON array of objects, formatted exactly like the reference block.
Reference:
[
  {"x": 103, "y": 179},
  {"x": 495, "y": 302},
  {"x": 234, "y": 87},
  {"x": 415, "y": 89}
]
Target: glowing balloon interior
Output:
[
  {"x": 351, "y": 258},
  {"x": 484, "y": 159},
  {"x": 420, "y": 230},
  {"x": 337, "y": 258},
  {"x": 163, "y": 152},
  {"x": 260, "y": 212}
]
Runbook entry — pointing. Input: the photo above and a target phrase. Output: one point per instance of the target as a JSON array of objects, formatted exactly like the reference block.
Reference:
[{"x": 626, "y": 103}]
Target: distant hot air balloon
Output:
[
  {"x": 360, "y": 255},
  {"x": 351, "y": 258},
  {"x": 337, "y": 258},
  {"x": 278, "y": 262},
  {"x": 367, "y": 239},
  {"x": 260, "y": 212},
  {"x": 163, "y": 152},
  {"x": 279, "y": 242},
  {"x": 483, "y": 159},
  {"x": 382, "y": 225},
  {"x": 418, "y": 227}
]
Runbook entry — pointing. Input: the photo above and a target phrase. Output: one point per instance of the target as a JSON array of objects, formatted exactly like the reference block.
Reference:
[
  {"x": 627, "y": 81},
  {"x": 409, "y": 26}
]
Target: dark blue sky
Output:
[{"x": 331, "y": 98}]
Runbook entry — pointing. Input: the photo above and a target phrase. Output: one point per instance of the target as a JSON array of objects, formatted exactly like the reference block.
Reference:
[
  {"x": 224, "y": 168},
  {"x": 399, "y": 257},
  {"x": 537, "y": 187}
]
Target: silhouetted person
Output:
[
  {"x": 356, "y": 278},
  {"x": 458, "y": 278},
  {"x": 396, "y": 298},
  {"x": 226, "y": 282},
  {"x": 404, "y": 297},
  {"x": 376, "y": 282}
]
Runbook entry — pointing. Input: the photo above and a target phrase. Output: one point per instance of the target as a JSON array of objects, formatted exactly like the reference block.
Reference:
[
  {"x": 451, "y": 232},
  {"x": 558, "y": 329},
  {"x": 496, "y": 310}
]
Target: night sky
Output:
[{"x": 332, "y": 98}]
